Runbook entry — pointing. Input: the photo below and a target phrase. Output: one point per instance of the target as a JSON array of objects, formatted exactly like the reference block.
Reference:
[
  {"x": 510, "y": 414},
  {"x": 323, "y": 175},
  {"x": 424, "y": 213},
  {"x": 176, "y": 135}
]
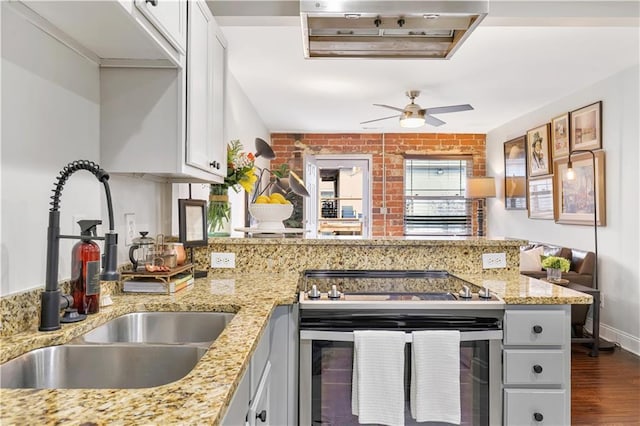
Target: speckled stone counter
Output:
[
  {"x": 202, "y": 397},
  {"x": 199, "y": 398}
]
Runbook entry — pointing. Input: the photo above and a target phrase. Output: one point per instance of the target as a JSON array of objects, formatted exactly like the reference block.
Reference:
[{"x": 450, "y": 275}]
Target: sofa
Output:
[{"x": 581, "y": 272}]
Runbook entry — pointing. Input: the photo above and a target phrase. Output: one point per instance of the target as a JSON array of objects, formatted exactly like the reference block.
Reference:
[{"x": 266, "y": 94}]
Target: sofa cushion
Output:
[{"x": 530, "y": 259}]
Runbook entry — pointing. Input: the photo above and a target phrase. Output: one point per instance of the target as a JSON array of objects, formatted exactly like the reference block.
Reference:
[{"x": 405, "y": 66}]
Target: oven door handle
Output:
[{"x": 347, "y": 336}]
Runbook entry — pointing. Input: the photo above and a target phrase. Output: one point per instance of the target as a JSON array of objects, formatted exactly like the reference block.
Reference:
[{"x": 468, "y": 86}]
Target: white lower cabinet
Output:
[
  {"x": 267, "y": 393},
  {"x": 537, "y": 365}
]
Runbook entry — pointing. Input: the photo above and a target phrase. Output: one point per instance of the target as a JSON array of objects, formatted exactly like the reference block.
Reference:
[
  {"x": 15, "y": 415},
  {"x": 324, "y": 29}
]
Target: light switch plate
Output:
[
  {"x": 494, "y": 260},
  {"x": 130, "y": 228}
]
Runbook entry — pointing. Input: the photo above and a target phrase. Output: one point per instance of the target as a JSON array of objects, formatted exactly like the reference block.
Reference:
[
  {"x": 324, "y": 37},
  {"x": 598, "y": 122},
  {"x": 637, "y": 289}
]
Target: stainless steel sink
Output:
[
  {"x": 160, "y": 327},
  {"x": 100, "y": 366}
]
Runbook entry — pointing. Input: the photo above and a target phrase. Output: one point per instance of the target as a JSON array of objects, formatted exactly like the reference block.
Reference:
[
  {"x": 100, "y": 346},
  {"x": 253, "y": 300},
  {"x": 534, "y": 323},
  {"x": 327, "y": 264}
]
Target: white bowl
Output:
[{"x": 270, "y": 216}]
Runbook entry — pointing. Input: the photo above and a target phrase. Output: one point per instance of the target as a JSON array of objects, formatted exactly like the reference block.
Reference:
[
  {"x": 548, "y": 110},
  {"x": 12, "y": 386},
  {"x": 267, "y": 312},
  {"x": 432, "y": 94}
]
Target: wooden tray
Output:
[{"x": 162, "y": 276}]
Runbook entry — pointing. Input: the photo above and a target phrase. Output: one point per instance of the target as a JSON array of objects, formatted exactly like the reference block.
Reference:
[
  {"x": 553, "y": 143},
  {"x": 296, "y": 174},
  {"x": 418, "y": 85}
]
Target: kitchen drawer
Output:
[
  {"x": 535, "y": 407},
  {"x": 534, "y": 327},
  {"x": 259, "y": 360},
  {"x": 521, "y": 366}
]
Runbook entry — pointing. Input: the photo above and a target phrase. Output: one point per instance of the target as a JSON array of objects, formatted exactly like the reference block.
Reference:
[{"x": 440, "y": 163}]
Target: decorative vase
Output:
[
  {"x": 219, "y": 213},
  {"x": 554, "y": 274}
]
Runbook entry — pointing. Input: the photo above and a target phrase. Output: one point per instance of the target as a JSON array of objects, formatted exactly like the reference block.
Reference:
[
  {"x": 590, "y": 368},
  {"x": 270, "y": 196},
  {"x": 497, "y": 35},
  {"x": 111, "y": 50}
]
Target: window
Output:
[{"x": 434, "y": 196}]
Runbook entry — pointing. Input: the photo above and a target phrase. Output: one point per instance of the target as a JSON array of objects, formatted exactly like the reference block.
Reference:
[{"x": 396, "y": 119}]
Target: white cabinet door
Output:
[
  {"x": 204, "y": 66},
  {"x": 169, "y": 18},
  {"x": 259, "y": 408}
]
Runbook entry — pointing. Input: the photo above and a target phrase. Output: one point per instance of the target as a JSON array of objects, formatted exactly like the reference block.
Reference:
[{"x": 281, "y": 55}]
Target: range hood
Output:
[{"x": 388, "y": 29}]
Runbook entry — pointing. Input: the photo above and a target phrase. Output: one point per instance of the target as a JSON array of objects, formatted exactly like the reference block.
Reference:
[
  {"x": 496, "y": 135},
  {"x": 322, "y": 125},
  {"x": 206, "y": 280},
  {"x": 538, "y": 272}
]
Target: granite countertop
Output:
[{"x": 201, "y": 397}]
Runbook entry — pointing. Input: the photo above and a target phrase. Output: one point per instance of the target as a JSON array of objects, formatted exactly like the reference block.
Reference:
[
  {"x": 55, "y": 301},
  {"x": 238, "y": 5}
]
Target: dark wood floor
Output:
[{"x": 605, "y": 390}]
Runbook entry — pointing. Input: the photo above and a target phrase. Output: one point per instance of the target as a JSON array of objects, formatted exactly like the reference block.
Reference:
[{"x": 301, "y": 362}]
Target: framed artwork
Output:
[
  {"x": 515, "y": 174},
  {"x": 538, "y": 151},
  {"x": 574, "y": 200},
  {"x": 540, "y": 197},
  {"x": 586, "y": 127},
  {"x": 192, "y": 222},
  {"x": 560, "y": 136}
]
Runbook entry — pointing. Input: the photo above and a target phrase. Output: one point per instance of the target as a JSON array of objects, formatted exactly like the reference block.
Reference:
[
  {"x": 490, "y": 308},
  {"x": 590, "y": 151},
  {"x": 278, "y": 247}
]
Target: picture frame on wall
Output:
[
  {"x": 538, "y": 151},
  {"x": 560, "y": 131},
  {"x": 573, "y": 199},
  {"x": 515, "y": 174},
  {"x": 540, "y": 198},
  {"x": 586, "y": 127}
]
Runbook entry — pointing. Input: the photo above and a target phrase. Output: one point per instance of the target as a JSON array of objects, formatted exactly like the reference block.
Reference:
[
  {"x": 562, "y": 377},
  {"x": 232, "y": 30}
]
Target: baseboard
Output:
[{"x": 610, "y": 334}]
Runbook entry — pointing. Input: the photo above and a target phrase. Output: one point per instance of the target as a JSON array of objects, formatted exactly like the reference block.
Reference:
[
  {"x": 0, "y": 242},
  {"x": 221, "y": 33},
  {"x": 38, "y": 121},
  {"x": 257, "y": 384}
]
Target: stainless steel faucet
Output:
[{"x": 52, "y": 300}]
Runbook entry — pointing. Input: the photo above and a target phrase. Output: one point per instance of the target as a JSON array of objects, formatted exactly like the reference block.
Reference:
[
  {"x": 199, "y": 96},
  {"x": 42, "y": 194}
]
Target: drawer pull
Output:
[
  {"x": 538, "y": 417},
  {"x": 262, "y": 416},
  {"x": 537, "y": 368},
  {"x": 537, "y": 329}
]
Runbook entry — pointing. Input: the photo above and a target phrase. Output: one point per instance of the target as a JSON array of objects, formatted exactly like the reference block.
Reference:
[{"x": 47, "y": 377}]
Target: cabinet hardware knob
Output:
[
  {"x": 153, "y": 2},
  {"x": 537, "y": 329},
  {"x": 538, "y": 417},
  {"x": 262, "y": 416},
  {"x": 214, "y": 164},
  {"x": 537, "y": 368}
]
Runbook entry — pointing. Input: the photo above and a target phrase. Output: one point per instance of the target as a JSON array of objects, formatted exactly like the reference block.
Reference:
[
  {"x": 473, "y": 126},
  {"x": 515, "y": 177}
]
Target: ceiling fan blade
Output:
[
  {"x": 450, "y": 108},
  {"x": 390, "y": 107},
  {"x": 378, "y": 119},
  {"x": 429, "y": 119}
]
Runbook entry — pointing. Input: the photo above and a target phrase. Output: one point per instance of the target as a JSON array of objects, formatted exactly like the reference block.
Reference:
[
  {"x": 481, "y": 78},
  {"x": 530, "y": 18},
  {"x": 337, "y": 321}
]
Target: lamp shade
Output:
[
  {"x": 263, "y": 149},
  {"x": 410, "y": 119},
  {"x": 480, "y": 187}
]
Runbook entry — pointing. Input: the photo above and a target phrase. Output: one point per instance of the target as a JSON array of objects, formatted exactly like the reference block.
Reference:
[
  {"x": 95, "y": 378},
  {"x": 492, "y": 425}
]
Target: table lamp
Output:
[{"x": 480, "y": 188}]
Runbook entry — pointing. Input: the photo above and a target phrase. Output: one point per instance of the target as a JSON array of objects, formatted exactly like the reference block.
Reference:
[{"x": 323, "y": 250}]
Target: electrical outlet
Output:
[
  {"x": 130, "y": 228},
  {"x": 223, "y": 260},
  {"x": 494, "y": 260}
]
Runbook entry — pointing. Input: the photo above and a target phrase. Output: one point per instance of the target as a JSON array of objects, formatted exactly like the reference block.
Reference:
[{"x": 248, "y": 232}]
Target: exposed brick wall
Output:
[{"x": 291, "y": 148}]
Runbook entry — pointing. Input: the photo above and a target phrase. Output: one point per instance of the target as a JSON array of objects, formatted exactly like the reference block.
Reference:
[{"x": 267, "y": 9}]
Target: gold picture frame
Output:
[
  {"x": 586, "y": 127},
  {"x": 515, "y": 174},
  {"x": 560, "y": 132},
  {"x": 540, "y": 198},
  {"x": 539, "y": 151},
  {"x": 573, "y": 199}
]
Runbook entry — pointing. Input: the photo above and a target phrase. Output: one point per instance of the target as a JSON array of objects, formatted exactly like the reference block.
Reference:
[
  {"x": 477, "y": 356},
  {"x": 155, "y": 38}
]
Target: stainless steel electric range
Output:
[{"x": 334, "y": 303}]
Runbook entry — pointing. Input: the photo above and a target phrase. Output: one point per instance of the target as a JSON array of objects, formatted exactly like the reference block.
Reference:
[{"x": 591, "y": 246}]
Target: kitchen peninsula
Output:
[{"x": 204, "y": 395}]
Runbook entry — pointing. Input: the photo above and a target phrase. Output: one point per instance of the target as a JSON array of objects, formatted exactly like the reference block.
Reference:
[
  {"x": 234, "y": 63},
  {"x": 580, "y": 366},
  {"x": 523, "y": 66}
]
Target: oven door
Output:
[{"x": 326, "y": 360}]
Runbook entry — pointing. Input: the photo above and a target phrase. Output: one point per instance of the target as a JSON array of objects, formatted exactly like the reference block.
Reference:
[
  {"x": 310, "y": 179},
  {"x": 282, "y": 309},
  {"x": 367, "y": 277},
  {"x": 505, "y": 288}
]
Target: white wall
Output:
[
  {"x": 619, "y": 240},
  {"x": 50, "y": 117}
]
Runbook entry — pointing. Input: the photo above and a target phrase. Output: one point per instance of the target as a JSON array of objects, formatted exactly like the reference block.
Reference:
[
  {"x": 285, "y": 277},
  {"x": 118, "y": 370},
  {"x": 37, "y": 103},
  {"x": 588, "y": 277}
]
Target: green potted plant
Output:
[{"x": 555, "y": 266}]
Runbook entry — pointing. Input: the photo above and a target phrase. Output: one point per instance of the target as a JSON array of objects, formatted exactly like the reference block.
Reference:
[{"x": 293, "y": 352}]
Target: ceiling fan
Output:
[{"x": 413, "y": 115}]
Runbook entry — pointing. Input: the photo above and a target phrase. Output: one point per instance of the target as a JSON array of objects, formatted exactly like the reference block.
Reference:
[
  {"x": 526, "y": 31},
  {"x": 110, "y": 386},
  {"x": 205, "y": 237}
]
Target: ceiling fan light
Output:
[{"x": 411, "y": 120}]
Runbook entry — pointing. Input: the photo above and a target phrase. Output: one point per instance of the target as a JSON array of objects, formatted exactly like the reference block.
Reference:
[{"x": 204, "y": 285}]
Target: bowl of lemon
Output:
[{"x": 270, "y": 211}]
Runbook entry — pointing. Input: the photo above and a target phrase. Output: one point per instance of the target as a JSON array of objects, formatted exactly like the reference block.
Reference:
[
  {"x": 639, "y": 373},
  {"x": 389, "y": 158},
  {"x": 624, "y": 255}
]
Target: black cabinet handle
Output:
[
  {"x": 262, "y": 416},
  {"x": 537, "y": 368},
  {"x": 153, "y": 2},
  {"x": 538, "y": 417},
  {"x": 537, "y": 329},
  {"x": 215, "y": 165}
]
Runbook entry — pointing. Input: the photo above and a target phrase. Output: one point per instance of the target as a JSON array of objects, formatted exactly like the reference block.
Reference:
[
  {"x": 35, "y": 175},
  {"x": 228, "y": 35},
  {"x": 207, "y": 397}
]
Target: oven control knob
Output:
[
  {"x": 334, "y": 293},
  {"x": 313, "y": 293},
  {"x": 484, "y": 293},
  {"x": 465, "y": 293}
]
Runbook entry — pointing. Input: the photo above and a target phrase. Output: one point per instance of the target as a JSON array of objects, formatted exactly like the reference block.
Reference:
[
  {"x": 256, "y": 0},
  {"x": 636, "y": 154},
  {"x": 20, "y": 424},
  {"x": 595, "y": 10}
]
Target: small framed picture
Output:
[
  {"x": 538, "y": 151},
  {"x": 192, "y": 222},
  {"x": 574, "y": 199},
  {"x": 515, "y": 174},
  {"x": 586, "y": 127},
  {"x": 541, "y": 198},
  {"x": 560, "y": 136}
]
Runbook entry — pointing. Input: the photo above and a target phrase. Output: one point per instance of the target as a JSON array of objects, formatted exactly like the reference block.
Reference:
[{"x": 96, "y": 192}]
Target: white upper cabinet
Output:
[
  {"x": 206, "y": 65},
  {"x": 168, "y": 123},
  {"x": 169, "y": 17},
  {"x": 117, "y": 32}
]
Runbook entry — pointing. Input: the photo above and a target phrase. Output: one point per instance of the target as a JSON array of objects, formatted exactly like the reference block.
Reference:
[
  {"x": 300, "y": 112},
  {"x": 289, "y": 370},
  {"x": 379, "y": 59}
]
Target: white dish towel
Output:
[
  {"x": 435, "y": 376},
  {"x": 377, "y": 386}
]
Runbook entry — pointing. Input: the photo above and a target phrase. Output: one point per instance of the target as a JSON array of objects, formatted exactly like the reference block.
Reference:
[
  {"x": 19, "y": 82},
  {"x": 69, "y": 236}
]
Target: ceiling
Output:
[{"x": 522, "y": 56}]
